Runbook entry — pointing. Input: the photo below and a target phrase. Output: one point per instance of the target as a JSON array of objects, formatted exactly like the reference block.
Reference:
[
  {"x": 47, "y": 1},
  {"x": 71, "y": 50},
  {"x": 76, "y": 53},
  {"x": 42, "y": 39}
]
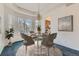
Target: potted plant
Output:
[{"x": 9, "y": 34}]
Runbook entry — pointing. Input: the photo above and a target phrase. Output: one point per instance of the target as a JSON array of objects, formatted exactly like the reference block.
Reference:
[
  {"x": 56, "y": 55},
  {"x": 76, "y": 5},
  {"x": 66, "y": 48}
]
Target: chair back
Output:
[
  {"x": 48, "y": 40},
  {"x": 51, "y": 37},
  {"x": 28, "y": 39}
]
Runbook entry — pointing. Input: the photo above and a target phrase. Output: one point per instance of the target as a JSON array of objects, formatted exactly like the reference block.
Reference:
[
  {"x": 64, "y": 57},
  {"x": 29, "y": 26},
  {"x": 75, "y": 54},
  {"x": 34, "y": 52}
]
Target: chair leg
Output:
[
  {"x": 54, "y": 51},
  {"x": 26, "y": 49},
  {"x": 48, "y": 51}
]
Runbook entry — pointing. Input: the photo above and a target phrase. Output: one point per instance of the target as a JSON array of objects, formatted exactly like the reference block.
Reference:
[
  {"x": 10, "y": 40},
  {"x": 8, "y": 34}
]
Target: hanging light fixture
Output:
[
  {"x": 38, "y": 14},
  {"x": 39, "y": 20}
]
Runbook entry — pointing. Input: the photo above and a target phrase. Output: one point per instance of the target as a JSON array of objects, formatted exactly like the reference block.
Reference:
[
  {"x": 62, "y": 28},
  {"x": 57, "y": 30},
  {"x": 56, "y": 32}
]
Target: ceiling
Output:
[
  {"x": 32, "y": 8},
  {"x": 35, "y": 6},
  {"x": 43, "y": 7}
]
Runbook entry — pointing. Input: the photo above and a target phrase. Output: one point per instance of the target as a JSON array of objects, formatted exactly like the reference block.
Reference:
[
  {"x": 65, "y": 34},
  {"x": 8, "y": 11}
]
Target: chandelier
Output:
[
  {"x": 39, "y": 19},
  {"x": 38, "y": 14}
]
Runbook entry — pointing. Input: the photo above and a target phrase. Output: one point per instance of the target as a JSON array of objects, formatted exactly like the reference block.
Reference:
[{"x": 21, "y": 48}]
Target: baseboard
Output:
[{"x": 67, "y": 51}]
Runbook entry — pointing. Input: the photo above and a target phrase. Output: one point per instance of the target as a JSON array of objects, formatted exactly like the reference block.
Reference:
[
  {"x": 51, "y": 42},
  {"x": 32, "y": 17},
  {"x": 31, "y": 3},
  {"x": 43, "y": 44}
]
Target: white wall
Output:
[
  {"x": 2, "y": 40},
  {"x": 68, "y": 39}
]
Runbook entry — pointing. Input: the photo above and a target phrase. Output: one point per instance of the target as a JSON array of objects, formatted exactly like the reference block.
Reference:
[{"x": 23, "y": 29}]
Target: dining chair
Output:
[
  {"x": 48, "y": 41},
  {"x": 27, "y": 40}
]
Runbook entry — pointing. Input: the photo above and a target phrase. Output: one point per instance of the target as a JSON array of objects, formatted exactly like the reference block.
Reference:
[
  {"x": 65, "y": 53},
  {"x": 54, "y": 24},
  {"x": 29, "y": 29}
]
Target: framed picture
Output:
[{"x": 65, "y": 23}]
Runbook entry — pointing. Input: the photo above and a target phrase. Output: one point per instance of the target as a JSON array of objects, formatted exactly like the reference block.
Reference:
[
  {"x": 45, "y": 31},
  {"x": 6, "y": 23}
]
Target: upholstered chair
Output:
[
  {"x": 27, "y": 40},
  {"x": 48, "y": 40}
]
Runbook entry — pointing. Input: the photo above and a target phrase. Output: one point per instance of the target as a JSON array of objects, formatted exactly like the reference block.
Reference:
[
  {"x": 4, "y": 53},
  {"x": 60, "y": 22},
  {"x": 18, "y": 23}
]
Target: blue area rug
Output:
[{"x": 11, "y": 50}]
